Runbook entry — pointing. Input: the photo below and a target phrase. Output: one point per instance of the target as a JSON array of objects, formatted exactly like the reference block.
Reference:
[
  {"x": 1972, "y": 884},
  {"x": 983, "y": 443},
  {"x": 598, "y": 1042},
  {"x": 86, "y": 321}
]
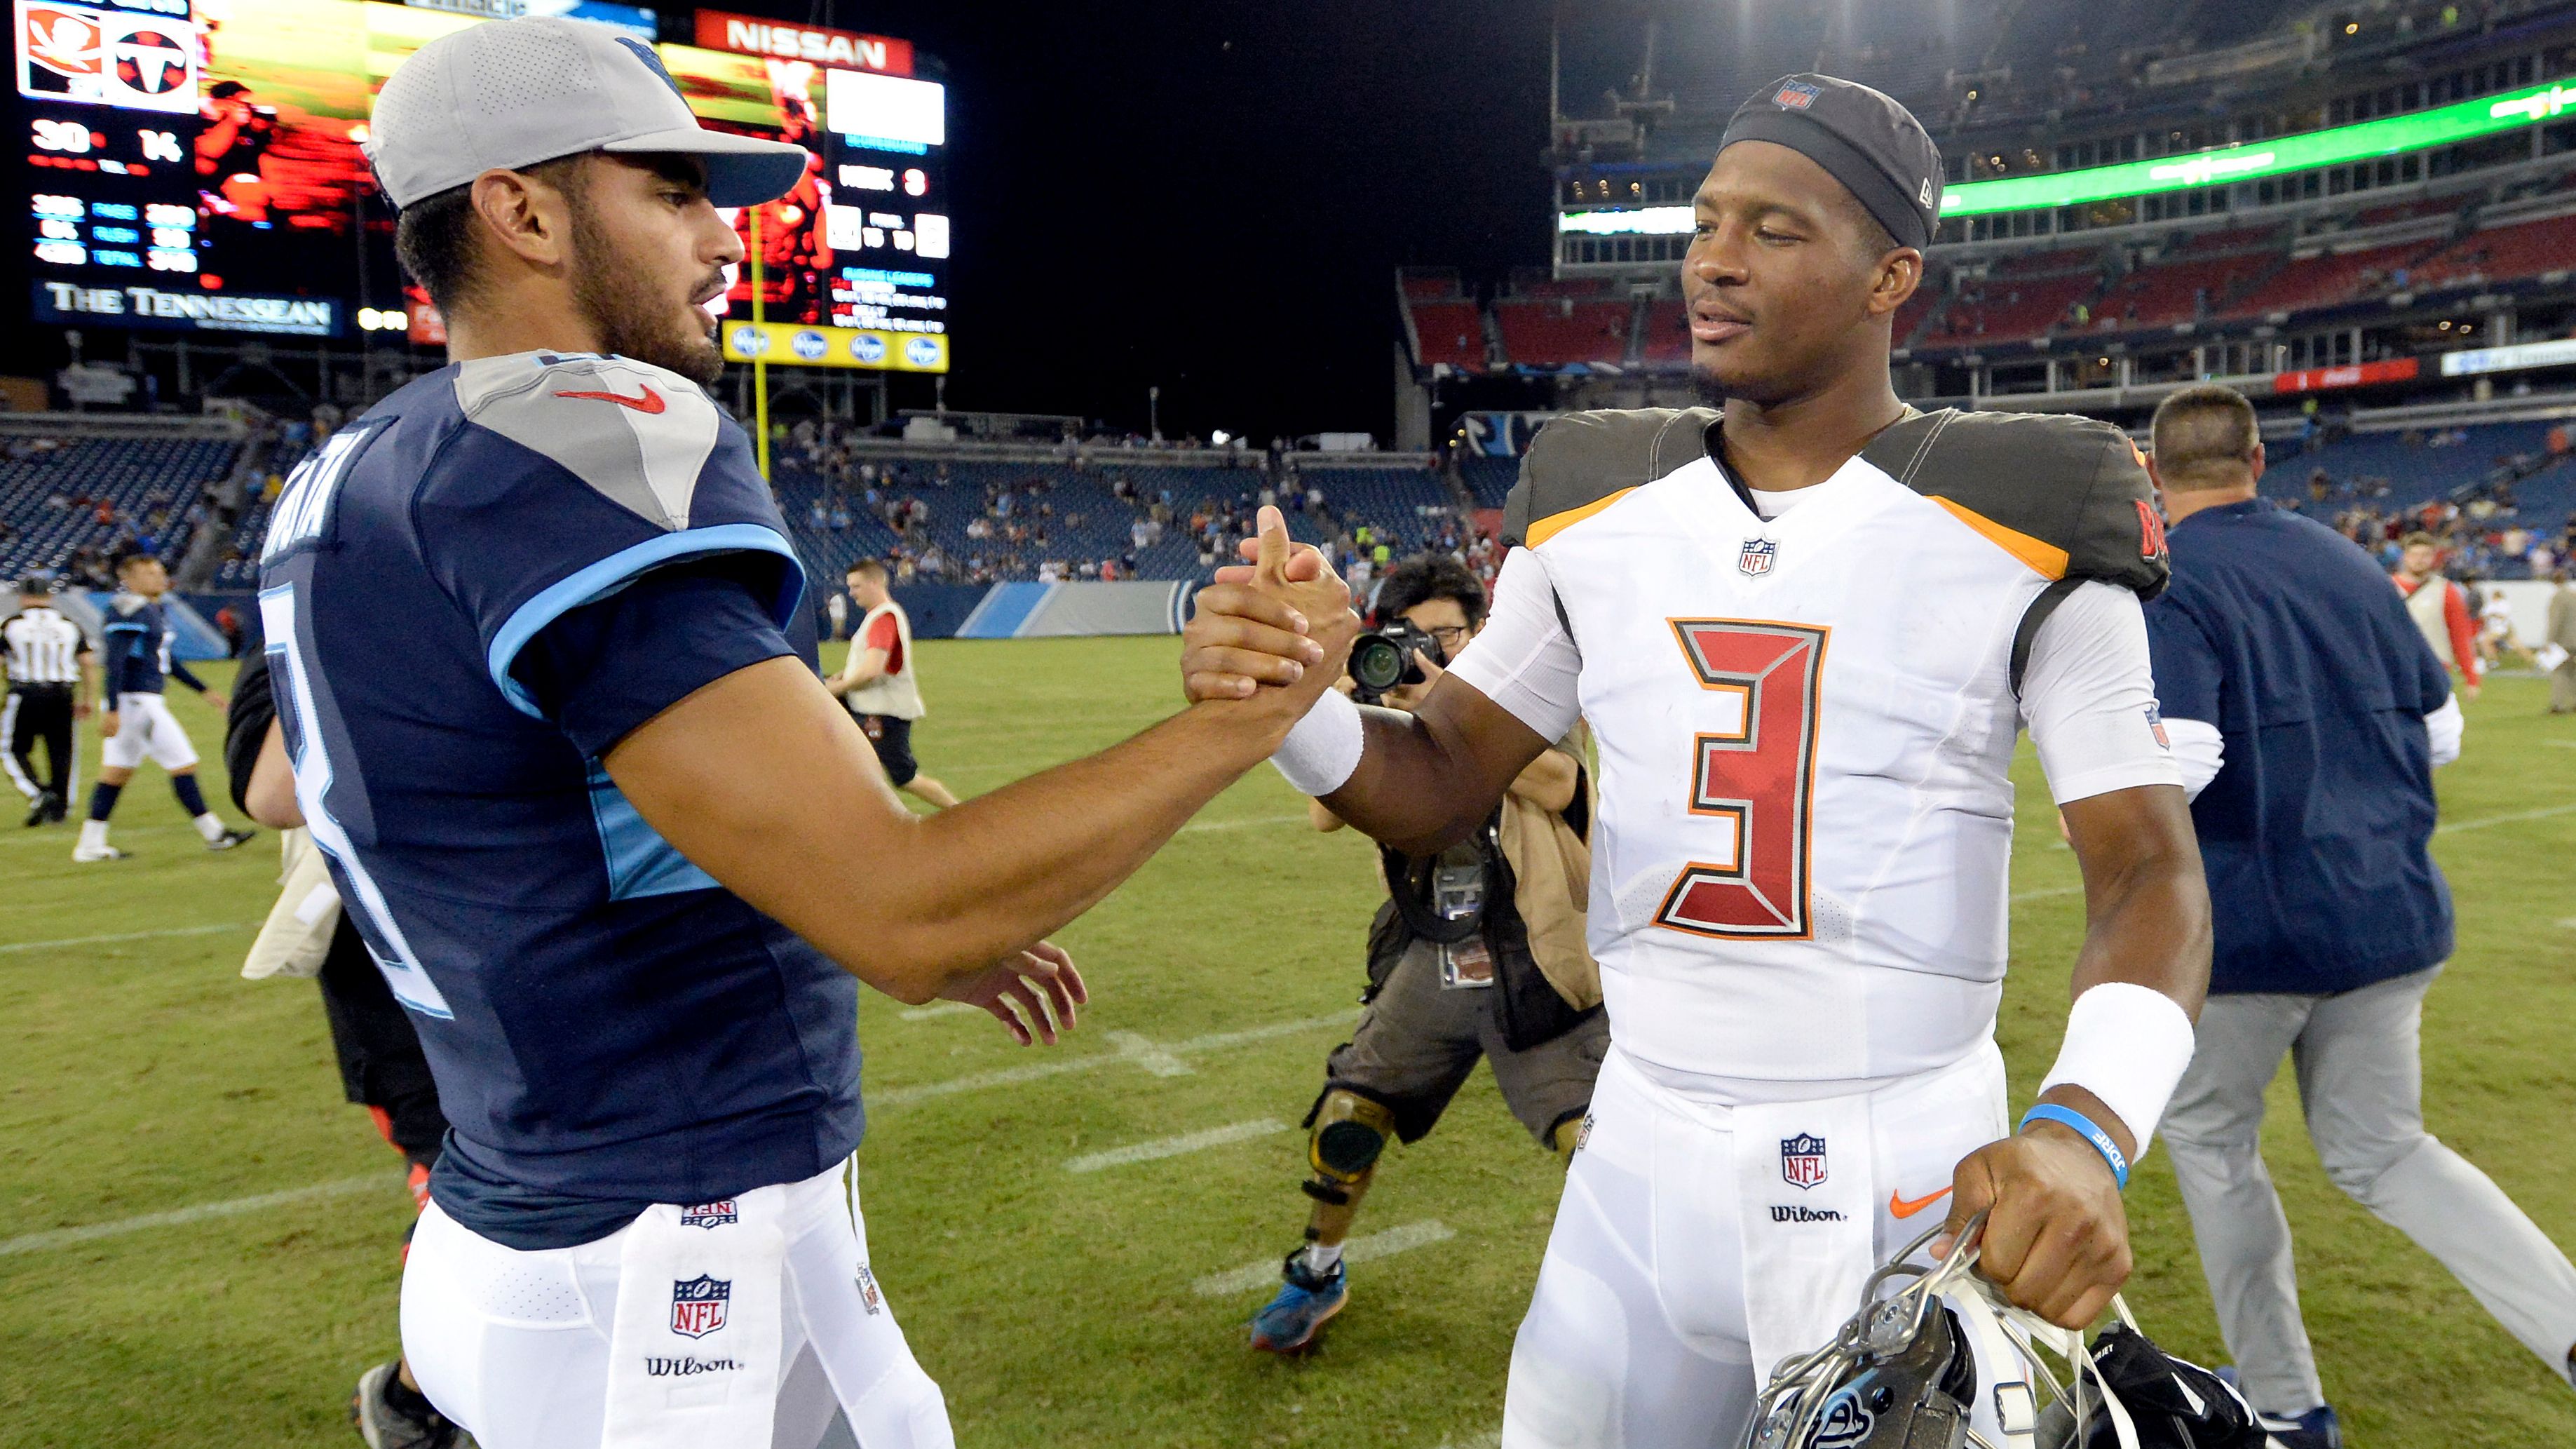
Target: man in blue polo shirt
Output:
[
  {"x": 546, "y": 685},
  {"x": 2308, "y": 714}
]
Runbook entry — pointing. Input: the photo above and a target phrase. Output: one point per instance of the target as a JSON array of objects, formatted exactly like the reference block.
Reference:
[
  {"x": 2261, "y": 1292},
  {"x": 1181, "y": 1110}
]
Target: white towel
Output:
[
  {"x": 693, "y": 1355},
  {"x": 1807, "y": 1196}
]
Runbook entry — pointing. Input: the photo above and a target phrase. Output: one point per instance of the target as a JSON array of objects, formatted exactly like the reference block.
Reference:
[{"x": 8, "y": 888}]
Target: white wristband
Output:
[
  {"x": 2128, "y": 1045},
  {"x": 1324, "y": 748}
]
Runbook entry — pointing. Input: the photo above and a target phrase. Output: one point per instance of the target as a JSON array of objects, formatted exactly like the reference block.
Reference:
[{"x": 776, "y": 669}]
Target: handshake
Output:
[{"x": 1271, "y": 634}]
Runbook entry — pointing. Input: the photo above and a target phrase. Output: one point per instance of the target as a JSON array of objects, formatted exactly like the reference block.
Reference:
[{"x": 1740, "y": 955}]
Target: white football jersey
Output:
[{"x": 1806, "y": 723}]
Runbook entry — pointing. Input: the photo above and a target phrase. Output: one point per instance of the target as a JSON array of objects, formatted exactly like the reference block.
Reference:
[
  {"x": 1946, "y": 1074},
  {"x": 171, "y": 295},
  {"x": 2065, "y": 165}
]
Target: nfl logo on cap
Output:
[
  {"x": 1796, "y": 96},
  {"x": 1802, "y": 1160},
  {"x": 1756, "y": 559},
  {"x": 698, "y": 1305}
]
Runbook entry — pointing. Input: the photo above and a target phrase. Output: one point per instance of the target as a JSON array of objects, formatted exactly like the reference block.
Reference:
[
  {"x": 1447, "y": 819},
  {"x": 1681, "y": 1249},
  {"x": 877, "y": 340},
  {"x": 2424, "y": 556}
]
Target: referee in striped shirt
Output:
[{"x": 48, "y": 658}]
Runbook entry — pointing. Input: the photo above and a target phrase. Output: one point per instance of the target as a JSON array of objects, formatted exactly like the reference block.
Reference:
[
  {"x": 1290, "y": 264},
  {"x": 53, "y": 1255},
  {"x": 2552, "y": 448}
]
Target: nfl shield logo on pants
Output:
[
  {"x": 1802, "y": 1160},
  {"x": 1755, "y": 561},
  {"x": 698, "y": 1305}
]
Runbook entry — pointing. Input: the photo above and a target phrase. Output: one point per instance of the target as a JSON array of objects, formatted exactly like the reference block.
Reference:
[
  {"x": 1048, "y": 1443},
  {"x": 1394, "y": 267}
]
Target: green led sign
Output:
[{"x": 2248, "y": 161}]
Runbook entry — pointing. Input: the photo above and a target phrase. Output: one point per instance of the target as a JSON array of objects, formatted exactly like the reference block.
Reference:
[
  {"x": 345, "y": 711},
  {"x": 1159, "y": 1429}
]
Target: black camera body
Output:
[{"x": 1382, "y": 659}]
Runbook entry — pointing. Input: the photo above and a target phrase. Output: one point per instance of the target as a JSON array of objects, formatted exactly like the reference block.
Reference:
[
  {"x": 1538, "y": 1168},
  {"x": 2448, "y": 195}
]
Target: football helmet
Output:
[{"x": 1902, "y": 1373}]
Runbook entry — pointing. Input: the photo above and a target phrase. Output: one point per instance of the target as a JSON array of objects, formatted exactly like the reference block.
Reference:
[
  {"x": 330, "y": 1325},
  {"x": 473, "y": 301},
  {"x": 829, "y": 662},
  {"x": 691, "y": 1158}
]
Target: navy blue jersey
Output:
[
  {"x": 2288, "y": 638},
  {"x": 137, "y": 635},
  {"x": 470, "y": 594}
]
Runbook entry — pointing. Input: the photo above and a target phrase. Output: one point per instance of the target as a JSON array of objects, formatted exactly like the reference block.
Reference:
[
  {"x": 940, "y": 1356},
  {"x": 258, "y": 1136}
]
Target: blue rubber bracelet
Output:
[{"x": 2101, "y": 1140}]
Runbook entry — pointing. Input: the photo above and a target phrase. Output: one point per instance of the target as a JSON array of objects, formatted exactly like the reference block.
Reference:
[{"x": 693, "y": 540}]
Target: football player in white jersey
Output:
[{"x": 1806, "y": 626}]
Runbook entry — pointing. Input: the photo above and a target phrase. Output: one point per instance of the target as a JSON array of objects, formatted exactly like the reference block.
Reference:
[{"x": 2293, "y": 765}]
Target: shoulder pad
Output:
[
  {"x": 1582, "y": 460},
  {"x": 637, "y": 434},
  {"x": 2067, "y": 495}
]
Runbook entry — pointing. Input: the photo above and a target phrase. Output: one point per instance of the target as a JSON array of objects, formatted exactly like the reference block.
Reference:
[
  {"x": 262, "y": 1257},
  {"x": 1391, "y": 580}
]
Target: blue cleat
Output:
[{"x": 1290, "y": 1321}]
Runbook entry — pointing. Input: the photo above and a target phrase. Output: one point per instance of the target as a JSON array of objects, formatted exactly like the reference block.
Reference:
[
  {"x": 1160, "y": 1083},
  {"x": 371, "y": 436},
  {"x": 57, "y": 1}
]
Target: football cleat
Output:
[
  {"x": 385, "y": 1424},
  {"x": 229, "y": 839},
  {"x": 46, "y": 806},
  {"x": 1290, "y": 1321},
  {"x": 87, "y": 853},
  {"x": 2316, "y": 1429}
]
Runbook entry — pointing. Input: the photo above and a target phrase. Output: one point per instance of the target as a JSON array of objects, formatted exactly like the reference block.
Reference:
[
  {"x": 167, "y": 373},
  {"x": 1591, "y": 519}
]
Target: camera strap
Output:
[{"x": 1411, "y": 882}]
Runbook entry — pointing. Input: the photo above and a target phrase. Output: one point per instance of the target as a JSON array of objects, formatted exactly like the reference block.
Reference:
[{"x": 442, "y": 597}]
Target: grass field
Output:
[{"x": 140, "y": 1076}]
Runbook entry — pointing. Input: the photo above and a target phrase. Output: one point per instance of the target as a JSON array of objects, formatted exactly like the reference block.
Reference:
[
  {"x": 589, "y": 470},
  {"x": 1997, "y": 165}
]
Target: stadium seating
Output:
[
  {"x": 1451, "y": 332},
  {"x": 131, "y": 475},
  {"x": 1490, "y": 479},
  {"x": 2501, "y": 254},
  {"x": 2328, "y": 280},
  {"x": 2010, "y": 309},
  {"x": 1668, "y": 340},
  {"x": 2162, "y": 294},
  {"x": 1554, "y": 331}
]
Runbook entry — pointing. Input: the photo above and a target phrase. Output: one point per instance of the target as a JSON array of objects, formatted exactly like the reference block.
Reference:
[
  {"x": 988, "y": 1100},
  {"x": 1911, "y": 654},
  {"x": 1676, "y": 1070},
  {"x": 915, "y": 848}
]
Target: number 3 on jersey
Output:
[{"x": 1752, "y": 779}]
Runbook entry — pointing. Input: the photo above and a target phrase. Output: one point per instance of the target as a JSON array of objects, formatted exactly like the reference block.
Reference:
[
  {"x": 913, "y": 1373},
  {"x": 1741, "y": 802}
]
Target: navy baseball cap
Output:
[{"x": 1866, "y": 139}]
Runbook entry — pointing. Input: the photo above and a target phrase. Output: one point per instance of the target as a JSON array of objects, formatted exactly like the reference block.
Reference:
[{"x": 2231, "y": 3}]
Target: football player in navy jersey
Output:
[
  {"x": 547, "y": 688},
  {"x": 135, "y": 723}
]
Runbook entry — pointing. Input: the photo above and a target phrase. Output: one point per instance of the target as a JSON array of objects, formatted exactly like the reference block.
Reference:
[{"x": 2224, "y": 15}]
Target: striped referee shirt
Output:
[{"x": 44, "y": 647}]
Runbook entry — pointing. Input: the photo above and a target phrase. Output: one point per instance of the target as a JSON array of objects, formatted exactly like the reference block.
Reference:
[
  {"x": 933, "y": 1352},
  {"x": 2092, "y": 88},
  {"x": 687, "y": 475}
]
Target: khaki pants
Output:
[{"x": 2562, "y": 688}]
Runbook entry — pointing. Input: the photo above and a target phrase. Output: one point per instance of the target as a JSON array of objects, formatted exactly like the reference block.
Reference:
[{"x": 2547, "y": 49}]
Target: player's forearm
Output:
[
  {"x": 1417, "y": 788},
  {"x": 768, "y": 786}
]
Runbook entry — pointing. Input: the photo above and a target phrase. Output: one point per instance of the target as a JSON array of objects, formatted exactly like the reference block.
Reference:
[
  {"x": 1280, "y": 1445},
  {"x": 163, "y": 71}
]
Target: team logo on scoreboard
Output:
[
  {"x": 698, "y": 1305},
  {"x": 710, "y": 1214},
  {"x": 91, "y": 56},
  {"x": 1796, "y": 96},
  {"x": 1802, "y": 1160},
  {"x": 1757, "y": 557}
]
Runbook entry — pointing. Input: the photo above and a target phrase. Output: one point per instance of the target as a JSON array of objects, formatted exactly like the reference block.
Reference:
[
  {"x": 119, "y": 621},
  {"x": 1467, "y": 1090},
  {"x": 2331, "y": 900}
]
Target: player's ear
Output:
[
  {"x": 523, "y": 216},
  {"x": 1899, "y": 272}
]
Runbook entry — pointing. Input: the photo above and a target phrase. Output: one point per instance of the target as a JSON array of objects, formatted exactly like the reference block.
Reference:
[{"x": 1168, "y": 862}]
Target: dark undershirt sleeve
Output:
[
  {"x": 254, "y": 706},
  {"x": 605, "y": 668}
]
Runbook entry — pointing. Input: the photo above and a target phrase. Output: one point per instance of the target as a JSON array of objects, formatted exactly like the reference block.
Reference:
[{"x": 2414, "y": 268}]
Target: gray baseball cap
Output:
[{"x": 513, "y": 93}]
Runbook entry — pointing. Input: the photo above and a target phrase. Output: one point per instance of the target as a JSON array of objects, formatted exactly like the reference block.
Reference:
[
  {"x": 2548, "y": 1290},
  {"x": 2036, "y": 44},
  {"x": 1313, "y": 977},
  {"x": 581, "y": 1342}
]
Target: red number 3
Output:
[{"x": 1753, "y": 778}]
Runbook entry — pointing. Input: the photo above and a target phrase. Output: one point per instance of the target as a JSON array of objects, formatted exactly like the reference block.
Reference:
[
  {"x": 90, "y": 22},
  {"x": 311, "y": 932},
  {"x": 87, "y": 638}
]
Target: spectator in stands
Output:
[
  {"x": 2558, "y": 640},
  {"x": 2440, "y": 609}
]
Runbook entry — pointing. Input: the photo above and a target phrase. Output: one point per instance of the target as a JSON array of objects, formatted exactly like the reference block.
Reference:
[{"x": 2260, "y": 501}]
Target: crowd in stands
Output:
[
  {"x": 68, "y": 503},
  {"x": 1079, "y": 516},
  {"x": 2500, "y": 499}
]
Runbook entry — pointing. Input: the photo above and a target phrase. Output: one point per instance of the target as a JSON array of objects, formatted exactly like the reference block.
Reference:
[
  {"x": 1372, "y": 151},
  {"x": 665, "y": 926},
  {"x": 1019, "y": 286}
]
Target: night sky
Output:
[{"x": 1214, "y": 196}]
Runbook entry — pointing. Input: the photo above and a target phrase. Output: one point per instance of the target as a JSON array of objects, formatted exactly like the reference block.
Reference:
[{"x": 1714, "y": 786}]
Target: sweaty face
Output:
[
  {"x": 650, "y": 254},
  {"x": 1782, "y": 278}
]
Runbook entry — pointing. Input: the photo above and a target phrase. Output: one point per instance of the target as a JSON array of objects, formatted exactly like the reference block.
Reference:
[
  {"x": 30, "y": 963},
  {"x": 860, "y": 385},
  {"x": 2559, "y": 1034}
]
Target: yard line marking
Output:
[
  {"x": 1093, "y": 1061},
  {"x": 1175, "y": 1146},
  {"x": 131, "y": 936},
  {"x": 2515, "y": 818},
  {"x": 1490, "y": 1439},
  {"x": 1157, "y": 1061},
  {"x": 1358, "y": 1250},
  {"x": 938, "y": 1008},
  {"x": 1245, "y": 824},
  {"x": 64, "y": 1237},
  {"x": 2568, "y": 925},
  {"x": 2046, "y": 892},
  {"x": 2560, "y": 744}
]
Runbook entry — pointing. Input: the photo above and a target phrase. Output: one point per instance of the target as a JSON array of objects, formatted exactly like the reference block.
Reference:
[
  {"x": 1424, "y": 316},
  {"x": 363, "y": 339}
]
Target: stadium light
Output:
[{"x": 2225, "y": 165}]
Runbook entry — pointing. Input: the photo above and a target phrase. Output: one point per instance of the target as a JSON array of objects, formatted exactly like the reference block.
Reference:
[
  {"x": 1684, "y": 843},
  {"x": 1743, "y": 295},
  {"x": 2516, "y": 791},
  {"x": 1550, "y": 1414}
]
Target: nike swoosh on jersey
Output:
[
  {"x": 650, "y": 402},
  {"x": 1904, "y": 1209}
]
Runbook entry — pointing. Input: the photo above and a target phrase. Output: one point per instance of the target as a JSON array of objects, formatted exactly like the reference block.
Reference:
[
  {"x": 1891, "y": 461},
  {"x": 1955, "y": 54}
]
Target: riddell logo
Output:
[{"x": 1805, "y": 1215}]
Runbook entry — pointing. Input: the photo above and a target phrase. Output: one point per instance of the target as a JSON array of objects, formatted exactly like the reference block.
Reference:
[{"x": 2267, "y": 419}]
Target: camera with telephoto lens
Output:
[{"x": 1383, "y": 659}]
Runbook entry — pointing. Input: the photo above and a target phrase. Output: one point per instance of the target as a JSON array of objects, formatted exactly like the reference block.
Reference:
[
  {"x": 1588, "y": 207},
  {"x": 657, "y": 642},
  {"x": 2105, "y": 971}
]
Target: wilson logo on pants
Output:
[{"x": 698, "y": 1305}]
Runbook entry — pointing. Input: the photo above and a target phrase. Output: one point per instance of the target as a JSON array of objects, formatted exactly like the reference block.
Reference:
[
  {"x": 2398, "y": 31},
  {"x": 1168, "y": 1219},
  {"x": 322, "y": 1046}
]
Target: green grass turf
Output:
[{"x": 142, "y": 1075}]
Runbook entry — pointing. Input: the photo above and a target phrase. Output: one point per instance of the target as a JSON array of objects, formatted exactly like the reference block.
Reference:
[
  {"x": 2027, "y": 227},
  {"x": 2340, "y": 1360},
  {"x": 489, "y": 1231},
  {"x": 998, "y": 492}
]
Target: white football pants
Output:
[
  {"x": 513, "y": 1345},
  {"x": 146, "y": 730},
  {"x": 1638, "y": 1333}
]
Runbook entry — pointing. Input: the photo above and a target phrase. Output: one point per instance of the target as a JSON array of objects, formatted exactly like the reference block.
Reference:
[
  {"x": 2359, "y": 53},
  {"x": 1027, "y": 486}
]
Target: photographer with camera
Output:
[{"x": 1477, "y": 952}]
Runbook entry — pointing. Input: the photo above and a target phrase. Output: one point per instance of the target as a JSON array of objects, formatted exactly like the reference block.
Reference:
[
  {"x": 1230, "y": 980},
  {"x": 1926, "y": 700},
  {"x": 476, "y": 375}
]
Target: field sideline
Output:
[{"x": 1064, "y": 1289}]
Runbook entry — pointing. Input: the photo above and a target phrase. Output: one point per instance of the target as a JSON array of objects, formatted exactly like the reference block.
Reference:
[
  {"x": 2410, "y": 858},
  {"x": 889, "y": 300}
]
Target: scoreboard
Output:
[{"x": 195, "y": 165}]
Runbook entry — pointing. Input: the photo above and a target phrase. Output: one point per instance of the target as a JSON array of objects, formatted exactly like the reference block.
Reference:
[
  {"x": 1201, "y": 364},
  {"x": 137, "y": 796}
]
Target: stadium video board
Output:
[{"x": 195, "y": 165}]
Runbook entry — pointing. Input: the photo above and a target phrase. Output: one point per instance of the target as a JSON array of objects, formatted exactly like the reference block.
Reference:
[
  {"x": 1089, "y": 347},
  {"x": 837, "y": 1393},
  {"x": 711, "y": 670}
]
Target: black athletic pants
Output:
[{"x": 40, "y": 712}]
